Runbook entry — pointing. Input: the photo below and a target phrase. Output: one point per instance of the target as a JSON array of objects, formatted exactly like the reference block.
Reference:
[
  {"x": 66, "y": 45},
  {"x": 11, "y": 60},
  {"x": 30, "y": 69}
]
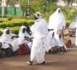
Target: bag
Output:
[
  {"x": 9, "y": 52},
  {"x": 6, "y": 52},
  {"x": 67, "y": 42},
  {"x": 23, "y": 49},
  {"x": 2, "y": 53},
  {"x": 57, "y": 49}
]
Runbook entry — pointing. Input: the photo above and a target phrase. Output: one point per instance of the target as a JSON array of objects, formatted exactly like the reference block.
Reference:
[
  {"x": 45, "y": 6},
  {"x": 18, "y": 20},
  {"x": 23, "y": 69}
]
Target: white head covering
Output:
[
  {"x": 21, "y": 29},
  {"x": 38, "y": 14},
  {"x": 4, "y": 31},
  {"x": 6, "y": 37},
  {"x": 56, "y": 18},
  {"x": 21, "y": 34}
]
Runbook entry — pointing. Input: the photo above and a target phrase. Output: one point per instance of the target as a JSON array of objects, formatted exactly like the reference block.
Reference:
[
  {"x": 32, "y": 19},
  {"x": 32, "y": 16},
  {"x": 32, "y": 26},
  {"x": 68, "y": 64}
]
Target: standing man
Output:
[{"x": 39, "y": 33}]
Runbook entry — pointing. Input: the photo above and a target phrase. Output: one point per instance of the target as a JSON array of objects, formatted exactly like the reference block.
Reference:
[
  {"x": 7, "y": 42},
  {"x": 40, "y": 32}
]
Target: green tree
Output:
[
  {"x": 69, "y": 2},
  {"x": 12, "y": 2}
]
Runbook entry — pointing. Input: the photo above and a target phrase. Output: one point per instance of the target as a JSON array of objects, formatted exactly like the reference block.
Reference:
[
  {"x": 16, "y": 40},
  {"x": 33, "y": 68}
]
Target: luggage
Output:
[
  {"x": 6, "y": 52},
  {"x": 67, "y": 43},
  {"x": 2, "y": 53},
  {"x": 57, "y": 49},
  {"x": 23, "y": 50}
]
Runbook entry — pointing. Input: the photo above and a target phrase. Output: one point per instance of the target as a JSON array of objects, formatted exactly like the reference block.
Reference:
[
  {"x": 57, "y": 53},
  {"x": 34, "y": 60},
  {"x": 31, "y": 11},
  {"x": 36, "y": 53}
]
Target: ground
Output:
[{"x": 66, "y": 61}]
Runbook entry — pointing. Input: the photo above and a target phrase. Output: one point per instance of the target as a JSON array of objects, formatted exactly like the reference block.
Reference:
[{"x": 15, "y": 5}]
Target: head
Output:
[
  {"x": 37, "y": 15},
  {"x": 23, "y": 29},
  {"x": 8, "y": 31},
  {"x": 59, "y": 10}
]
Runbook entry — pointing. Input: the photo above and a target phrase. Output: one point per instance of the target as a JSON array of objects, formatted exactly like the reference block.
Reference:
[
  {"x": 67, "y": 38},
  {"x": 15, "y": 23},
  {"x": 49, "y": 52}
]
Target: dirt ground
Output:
[{"x": 65, "y": 61}]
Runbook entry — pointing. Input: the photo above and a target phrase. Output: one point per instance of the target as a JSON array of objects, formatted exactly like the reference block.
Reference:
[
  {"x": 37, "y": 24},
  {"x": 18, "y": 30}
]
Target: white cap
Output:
[{"x": 38, "y": 14}]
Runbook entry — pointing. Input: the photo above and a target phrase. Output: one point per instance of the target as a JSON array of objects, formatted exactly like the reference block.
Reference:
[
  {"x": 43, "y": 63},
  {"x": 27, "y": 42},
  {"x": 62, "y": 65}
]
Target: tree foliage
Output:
[
  {"x": 69, "y": 2},
  {"x": 12, "y": 2}
]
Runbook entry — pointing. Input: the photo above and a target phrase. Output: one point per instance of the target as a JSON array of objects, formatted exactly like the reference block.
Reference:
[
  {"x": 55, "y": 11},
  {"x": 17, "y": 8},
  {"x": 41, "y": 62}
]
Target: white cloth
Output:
[
  {"x": 76, "y": 33},
  {"x": 22, "y": 35},
  {"x": 6, "y": 38},
  {"x": 57, "y": 19},
  {"x": 51, "y": 40},
  {"x": 5, "y": 45},
  {"x": 21, "y": 40},
  {"x": 57, "y": 23},
  {"x": 39, "y": 32},
  {"x": 15, "y": 44}
]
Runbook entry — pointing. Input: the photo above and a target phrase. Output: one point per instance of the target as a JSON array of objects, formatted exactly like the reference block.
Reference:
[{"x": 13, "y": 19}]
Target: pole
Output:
[
  {"x": 28, "y": 10},
  {"x": 2, "y": 11},
  {"x": 28, "y": 2},
  {"x": 3, "y": 7}
]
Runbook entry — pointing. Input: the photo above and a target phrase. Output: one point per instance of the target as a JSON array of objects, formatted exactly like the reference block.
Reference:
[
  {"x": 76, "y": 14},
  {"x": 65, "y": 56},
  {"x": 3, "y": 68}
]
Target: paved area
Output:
[{"x": 66, "y": 61}]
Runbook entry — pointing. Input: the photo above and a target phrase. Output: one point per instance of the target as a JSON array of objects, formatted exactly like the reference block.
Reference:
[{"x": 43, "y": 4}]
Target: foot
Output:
[
  {"x": 29, "y": 62},
  {"x": 43, "y": 62}
]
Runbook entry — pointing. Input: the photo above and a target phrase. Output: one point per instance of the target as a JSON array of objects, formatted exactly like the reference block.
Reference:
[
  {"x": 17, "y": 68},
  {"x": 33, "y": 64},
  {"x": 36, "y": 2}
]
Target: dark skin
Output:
[
  {"x": 35, "y": 18},
  {"x": 24, "y": 29},
  {"x": 8, "y": 32},
  {"x": 26, "y": 38},
  {"x": 59, "y": 11},
  {"x": 0, "y": 45}
]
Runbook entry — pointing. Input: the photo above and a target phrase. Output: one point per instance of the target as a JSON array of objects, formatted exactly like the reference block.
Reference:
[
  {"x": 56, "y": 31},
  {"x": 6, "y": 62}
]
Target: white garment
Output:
[
  {"x": 6, "y": 38},
  {"x": 5, "y": 46},
  {"x": 57, "y": 23},
  {"x": 76, "y": 33},
  {"x": 51, "y": 40},
  {"x": 22, "y": 35},
  {"x": 39, "y": 46},
  {"x": 55, "y": 19},
  {"x": 21, "y": 39},
  {"x": 15, "y": 44}
]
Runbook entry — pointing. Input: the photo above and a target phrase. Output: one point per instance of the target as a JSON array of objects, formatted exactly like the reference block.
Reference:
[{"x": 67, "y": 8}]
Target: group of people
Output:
[
  {"x": 13, "y": 41},
  {"x": 43, "y": 36}
]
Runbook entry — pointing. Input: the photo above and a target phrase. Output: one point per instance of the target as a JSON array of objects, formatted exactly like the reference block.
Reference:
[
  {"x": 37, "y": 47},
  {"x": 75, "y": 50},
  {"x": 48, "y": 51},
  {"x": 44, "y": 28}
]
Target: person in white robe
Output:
[
  {"x": 7, "y": 36},
  {"x": 21, "y": 39},
  {"x": 23, "y": 33},
  {"x": 39, "y": 33},
  {"x": 57, "y": 23}
]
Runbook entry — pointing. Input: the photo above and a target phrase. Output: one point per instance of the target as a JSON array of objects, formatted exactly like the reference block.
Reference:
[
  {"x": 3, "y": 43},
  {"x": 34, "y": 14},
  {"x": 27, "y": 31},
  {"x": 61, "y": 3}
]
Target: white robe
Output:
[
  {"x": 6, "y": 39},
  {"x": 57, "y": 22},
  {"x": 21, "y": 40},
  {"x": 51, "y": 40},
  {"x": 76, "y": 33},
  {"x": 39, "y": 46}
]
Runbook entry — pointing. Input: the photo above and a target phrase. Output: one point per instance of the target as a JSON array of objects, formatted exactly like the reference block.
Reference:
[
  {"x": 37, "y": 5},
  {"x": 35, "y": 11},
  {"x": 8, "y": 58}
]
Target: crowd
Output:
[{"x": 43, "y": 37}]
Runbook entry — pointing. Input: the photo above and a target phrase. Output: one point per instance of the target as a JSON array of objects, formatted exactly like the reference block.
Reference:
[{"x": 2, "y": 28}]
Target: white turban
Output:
[{"x": 37, "y": 14}]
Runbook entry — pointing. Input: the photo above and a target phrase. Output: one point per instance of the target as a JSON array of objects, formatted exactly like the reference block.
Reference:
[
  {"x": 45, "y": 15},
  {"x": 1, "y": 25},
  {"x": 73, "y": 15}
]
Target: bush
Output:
[
  {"x": 68, "y": 23},
  {"x": 16, "y": 22}
]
